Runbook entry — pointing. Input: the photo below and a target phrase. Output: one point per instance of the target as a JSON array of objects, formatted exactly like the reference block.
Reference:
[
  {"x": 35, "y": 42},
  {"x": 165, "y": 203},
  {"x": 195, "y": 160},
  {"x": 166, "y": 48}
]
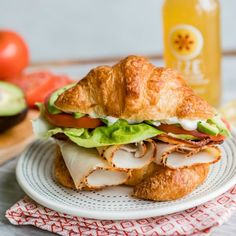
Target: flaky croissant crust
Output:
[{"x": 134, "y": 89}]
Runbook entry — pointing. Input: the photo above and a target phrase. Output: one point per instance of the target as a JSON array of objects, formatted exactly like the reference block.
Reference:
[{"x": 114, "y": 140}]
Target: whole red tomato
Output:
[{"x": 14, "y": 54}]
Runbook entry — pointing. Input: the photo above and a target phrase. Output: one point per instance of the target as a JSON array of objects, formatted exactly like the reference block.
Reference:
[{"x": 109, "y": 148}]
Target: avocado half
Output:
[
  {"x": 53, "y": 97},
  {"x": 13, "y": 107}
]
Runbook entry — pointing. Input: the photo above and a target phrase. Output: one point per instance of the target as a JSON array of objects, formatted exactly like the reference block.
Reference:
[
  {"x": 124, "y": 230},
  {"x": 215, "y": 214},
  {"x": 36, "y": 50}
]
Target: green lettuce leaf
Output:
[
  {"x": 78, "y": 115},
  {"x": 119, "y": 133}
]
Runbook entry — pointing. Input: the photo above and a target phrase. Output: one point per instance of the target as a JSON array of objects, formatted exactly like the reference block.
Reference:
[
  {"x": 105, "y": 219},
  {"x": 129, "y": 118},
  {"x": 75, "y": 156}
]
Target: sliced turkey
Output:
[
  {"x": 180, "y": 156},
  {"x": 131, "y": 156},
  {"x": 208, "y": 155},
  {"x": 100, "y": 178},
  {"x": 86, "y": 167}
]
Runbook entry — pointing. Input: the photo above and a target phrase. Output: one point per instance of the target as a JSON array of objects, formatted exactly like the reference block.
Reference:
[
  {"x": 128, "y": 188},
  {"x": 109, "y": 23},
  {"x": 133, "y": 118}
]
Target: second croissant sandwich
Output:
[{"x": 133, "y": 124}]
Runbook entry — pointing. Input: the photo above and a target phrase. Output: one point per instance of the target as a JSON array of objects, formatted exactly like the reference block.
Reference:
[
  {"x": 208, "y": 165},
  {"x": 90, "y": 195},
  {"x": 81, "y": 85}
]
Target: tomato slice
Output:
[
  {"x": 178, "y": 130},
  {"x": 38, "y": 85},
  {"x": 68, "y": 121}
]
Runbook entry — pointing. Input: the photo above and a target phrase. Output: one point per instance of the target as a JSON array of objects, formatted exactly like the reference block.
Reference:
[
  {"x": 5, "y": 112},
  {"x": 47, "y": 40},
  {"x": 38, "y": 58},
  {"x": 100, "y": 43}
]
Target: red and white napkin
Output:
[{"x": 200, "y": 220}]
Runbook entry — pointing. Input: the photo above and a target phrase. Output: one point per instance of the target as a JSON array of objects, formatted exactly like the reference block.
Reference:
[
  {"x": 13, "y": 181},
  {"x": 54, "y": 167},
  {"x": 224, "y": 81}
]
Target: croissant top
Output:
[{"x": 134, "y": 89}]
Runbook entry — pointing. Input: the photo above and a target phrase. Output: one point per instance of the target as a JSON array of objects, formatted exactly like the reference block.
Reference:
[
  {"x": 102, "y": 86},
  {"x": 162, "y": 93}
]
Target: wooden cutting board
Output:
[{"x": 15, "y": 140}]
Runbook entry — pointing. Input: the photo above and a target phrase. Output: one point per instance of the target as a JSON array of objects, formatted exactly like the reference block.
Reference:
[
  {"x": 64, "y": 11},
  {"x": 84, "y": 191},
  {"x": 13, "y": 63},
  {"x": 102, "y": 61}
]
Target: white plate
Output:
[{"x": 35, "y": 175}]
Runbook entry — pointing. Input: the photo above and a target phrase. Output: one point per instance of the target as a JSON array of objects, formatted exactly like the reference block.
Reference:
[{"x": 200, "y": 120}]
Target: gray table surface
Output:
[{"x": 10, "y": 191}]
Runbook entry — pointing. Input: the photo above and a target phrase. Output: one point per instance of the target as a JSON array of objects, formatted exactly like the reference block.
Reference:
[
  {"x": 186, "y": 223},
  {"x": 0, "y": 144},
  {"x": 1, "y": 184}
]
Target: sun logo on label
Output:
[{"x": 186, "y": 42}]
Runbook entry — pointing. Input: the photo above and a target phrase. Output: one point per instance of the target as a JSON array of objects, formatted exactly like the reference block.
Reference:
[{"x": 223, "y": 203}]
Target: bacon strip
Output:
[{"x": 190, "y": 143}]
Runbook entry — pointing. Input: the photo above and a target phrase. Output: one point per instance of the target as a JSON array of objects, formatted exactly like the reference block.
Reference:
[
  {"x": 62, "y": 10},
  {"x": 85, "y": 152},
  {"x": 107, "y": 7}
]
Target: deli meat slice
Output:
[
  {"x": 130, "y": 156},
  {"x": 207, "y": 155},
  {"x": 180, "y": 155},
  {"x": 87, "y": 168}
]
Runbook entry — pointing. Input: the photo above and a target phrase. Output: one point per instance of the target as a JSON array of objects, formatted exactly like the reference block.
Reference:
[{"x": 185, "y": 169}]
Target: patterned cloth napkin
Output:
[{"x": 200, "y": 220}]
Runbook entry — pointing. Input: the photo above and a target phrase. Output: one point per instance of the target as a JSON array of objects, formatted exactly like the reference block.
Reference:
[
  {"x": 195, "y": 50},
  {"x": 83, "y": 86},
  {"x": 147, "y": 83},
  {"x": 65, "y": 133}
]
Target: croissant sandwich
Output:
[{"x": 132, "y": 124}]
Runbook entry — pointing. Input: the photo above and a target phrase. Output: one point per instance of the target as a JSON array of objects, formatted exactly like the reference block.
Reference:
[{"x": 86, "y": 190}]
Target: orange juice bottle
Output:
[{"x": 192, "y": 44}]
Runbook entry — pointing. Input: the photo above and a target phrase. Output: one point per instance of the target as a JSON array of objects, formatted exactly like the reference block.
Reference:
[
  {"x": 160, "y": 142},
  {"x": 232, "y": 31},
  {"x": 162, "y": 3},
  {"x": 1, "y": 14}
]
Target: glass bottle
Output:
[{"x": 192, "y": 44}]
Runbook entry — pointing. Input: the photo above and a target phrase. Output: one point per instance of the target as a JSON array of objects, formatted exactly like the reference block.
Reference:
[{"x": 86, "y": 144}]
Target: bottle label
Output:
[{"x": 186, "y": 44}]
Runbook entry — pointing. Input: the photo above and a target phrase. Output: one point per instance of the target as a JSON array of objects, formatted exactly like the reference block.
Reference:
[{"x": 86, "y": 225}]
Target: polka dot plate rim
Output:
[{"x": 34, "y": 173}]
